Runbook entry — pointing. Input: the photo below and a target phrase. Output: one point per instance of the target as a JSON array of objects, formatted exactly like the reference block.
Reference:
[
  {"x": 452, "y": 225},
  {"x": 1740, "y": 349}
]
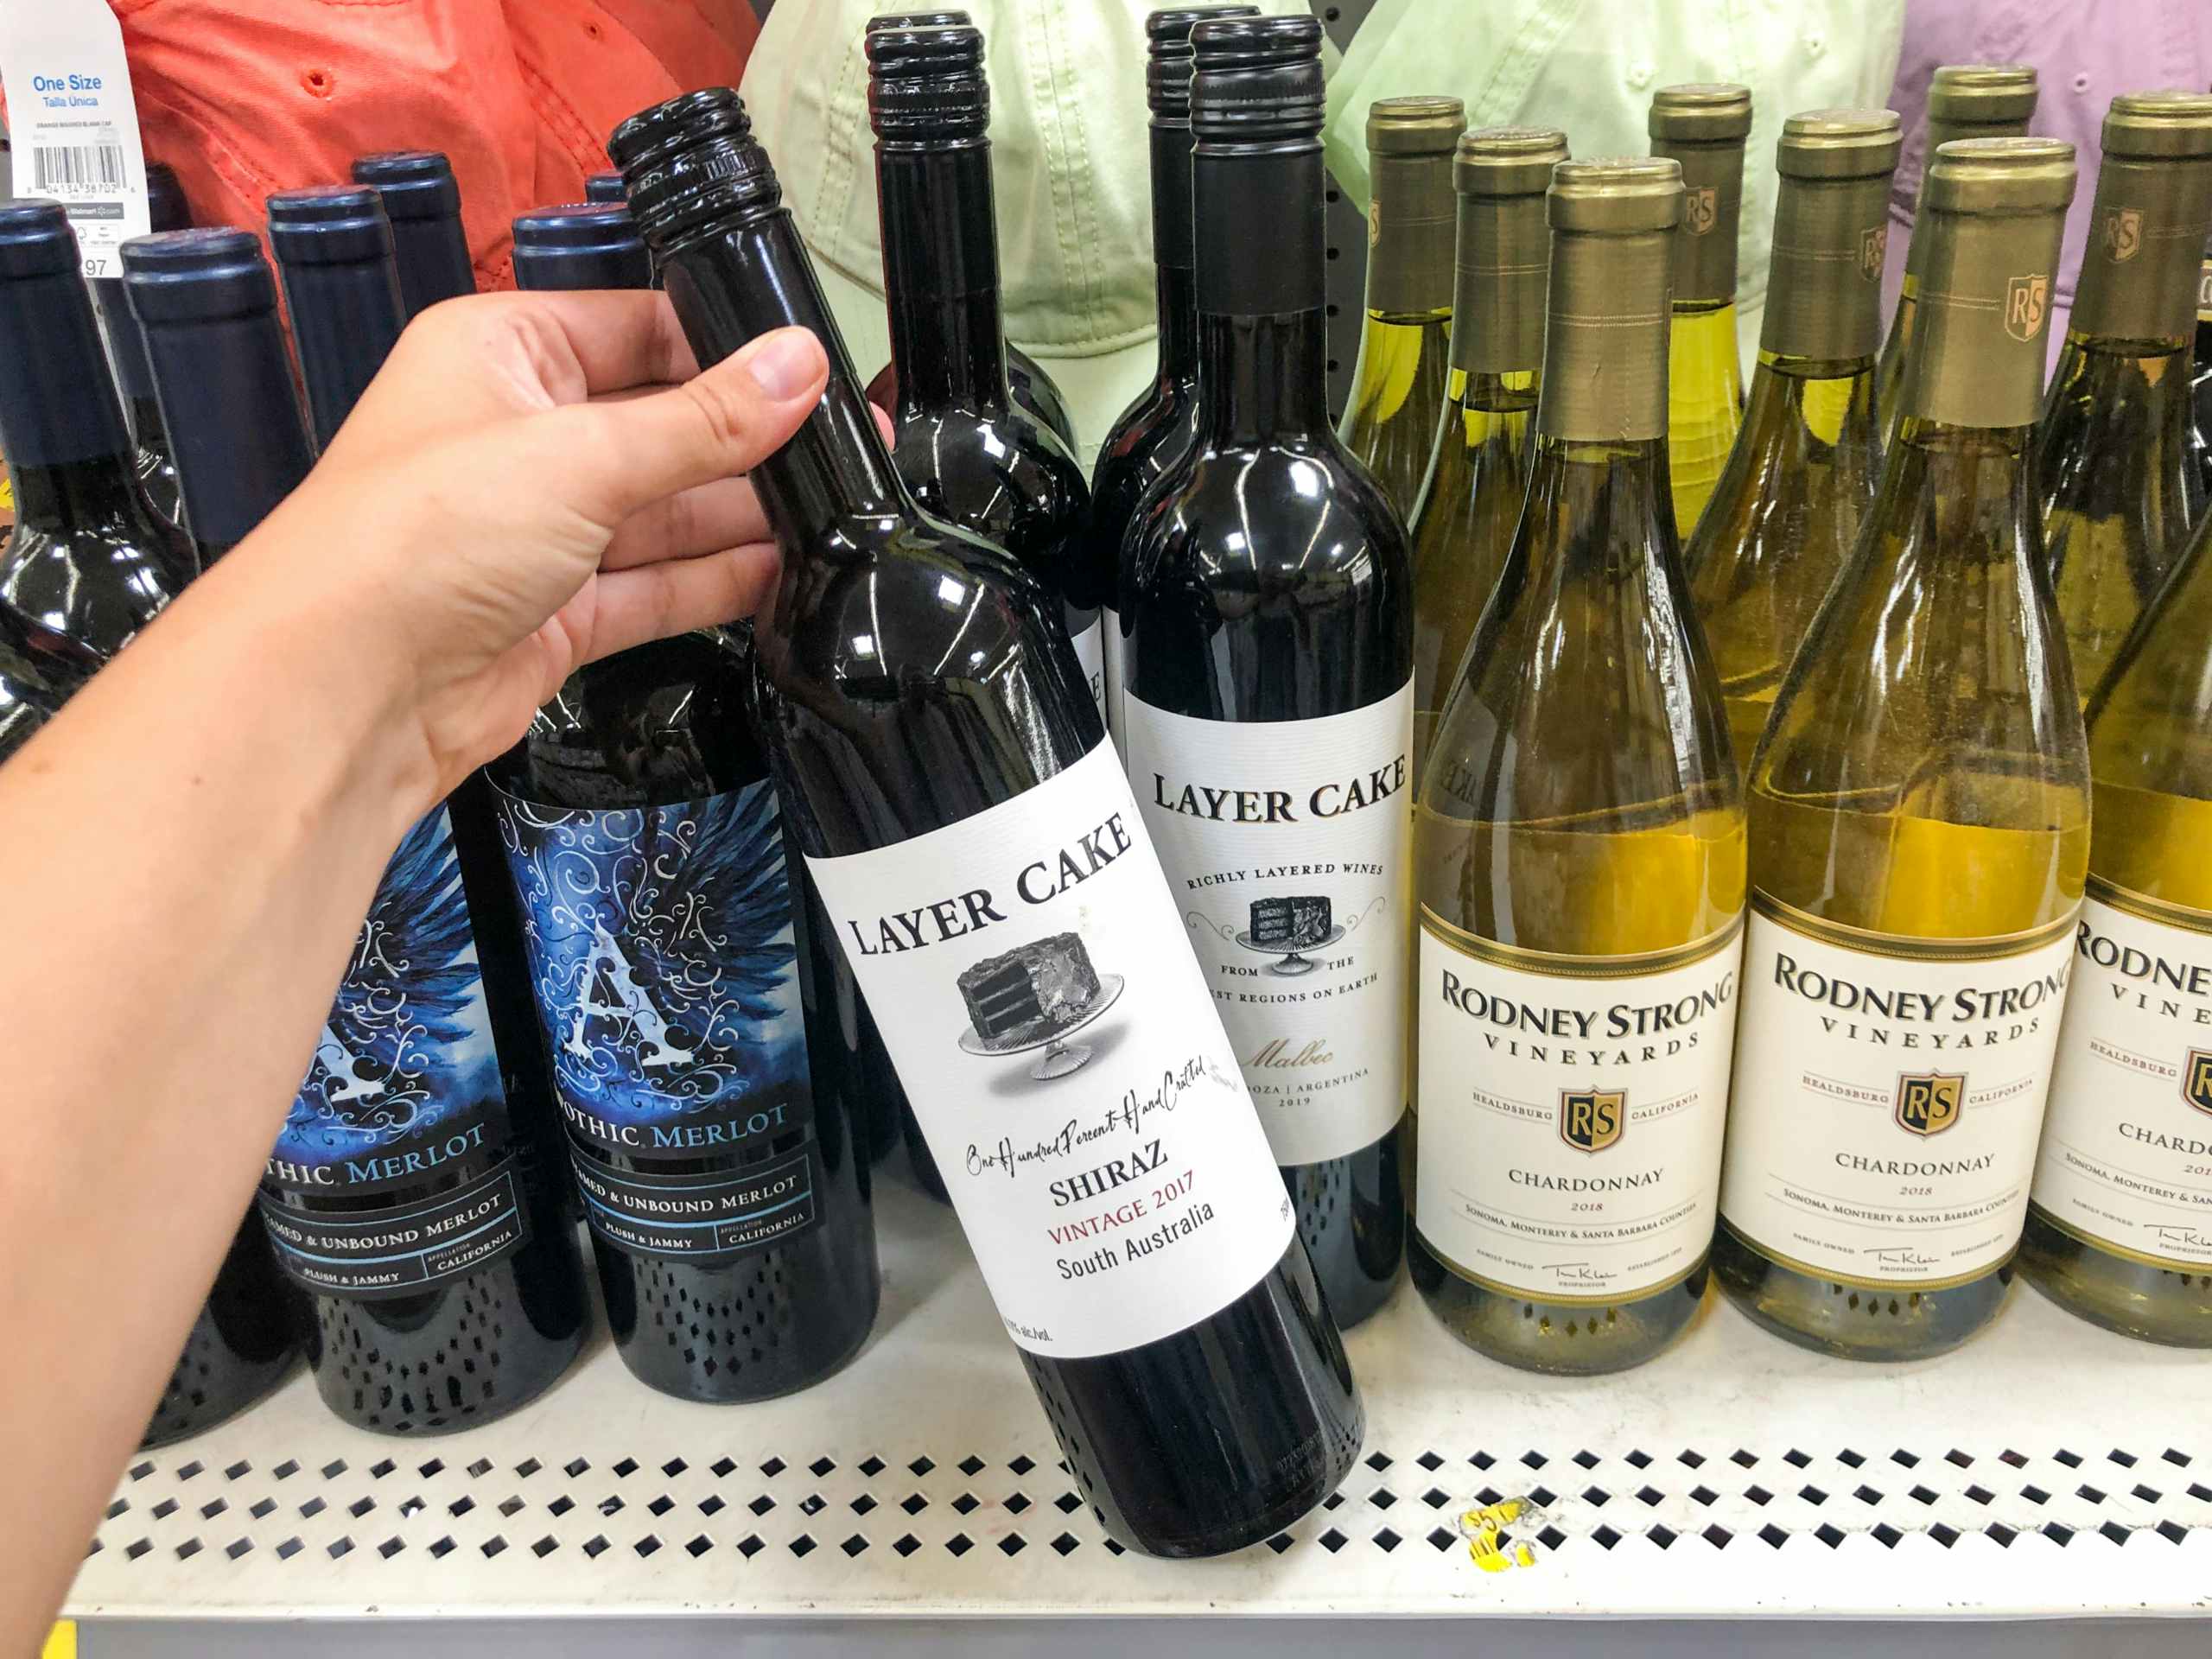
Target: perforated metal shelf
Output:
[{"x": 2047, "y": 1468}]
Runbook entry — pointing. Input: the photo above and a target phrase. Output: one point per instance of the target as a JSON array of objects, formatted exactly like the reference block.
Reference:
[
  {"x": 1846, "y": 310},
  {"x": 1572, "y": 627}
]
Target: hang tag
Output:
[{"x": 74, "y": 123}]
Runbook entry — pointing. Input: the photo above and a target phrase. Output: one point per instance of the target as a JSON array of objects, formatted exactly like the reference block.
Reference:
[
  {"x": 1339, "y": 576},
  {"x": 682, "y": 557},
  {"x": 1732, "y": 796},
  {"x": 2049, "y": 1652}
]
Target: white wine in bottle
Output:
[
  {"x": 1965, "y": 100},
  {"x": 1919, "y": 832},
  {"x": 1398, "y": 387},
  {"x": 2119, "y": 1223},
  {"x": 1479, "y": 472},
  {"x": 2120, "y": 486},
  {"x": 1802, "y": 474},
  {"x": 1578, "y": 857},
  {"x": 1703, "y": 127}
]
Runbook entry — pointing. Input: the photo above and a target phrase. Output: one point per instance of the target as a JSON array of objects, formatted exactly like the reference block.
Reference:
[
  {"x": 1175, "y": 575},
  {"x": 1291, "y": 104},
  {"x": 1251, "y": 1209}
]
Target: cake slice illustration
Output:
[
  {"x": 1292, "y": 924},
  {"x": 1031, "y": 990}
]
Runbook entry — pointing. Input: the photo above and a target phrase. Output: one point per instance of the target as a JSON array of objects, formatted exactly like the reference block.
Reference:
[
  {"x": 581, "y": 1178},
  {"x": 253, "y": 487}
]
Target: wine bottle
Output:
[
  {"x": 1153, "y": 430},
  {"x": 2119, "y": 489},
  {"x": 1703, "y": 126},
  {"x": 928, "y": 724},
  {"x": 1787, "y": 511},
  {"x": 126, "y": 350},
  {"x": 1579, "y": 859},
  {"x": 1399, "y": 383},
  {"x": 1268, "y": 714},
  {"x": 429, "y": 1097},
  {"x": 1965, "y": 100},
  {"x": 1479, "y": 477},
  {"x": 1033, "y": 390},
  {"x": 333, "y": 245},
  {"x": 2112, "y": 1230},
  {"x": 2201, "y": 381},
  {"x": 640, "y": 825},
  {"x": 421, "y": 198},
  {"x": 969, "y": 454},
  {"x": 1919, "y": 829},
  {"x": 600, "y": 188},
  {"x": 89, "y": 565},
  {"x": 26, "y": 703}
]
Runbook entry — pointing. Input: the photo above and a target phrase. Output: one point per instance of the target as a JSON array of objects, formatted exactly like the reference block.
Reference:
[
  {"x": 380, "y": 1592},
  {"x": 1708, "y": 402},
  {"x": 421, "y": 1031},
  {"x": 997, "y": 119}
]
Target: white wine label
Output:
[
  {"x": 2126, "y": 1157},
  {"x": 1028, "y": 970},
  {"x": 1288, "y": 845},
  {"x": 1571, "y": 1113},
  {"x": 1109, "y": 625},
  {"x": 1888, "y": 1096},
  {"x": 1091, "y": 652}
]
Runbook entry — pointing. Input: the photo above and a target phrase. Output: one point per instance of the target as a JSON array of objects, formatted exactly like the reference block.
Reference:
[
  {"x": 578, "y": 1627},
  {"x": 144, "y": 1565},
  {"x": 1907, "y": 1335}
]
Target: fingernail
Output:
[{"x": 785, "y": 363}]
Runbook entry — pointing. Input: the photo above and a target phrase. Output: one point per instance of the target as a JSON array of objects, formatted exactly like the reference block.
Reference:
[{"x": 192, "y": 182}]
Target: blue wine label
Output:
[
  {"x": 662, "y": 954},
  {"x": 395, "y": 1170}
]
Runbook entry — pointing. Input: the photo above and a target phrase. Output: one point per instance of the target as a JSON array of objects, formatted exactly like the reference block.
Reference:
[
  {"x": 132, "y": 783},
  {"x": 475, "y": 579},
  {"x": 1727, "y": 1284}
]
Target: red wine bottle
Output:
[
  {"x": 983, "y": 862},
  {"x": 126, "y": 349},
  {"x": 1266, "y": 717},
  {"x": 421, "y": 198}
]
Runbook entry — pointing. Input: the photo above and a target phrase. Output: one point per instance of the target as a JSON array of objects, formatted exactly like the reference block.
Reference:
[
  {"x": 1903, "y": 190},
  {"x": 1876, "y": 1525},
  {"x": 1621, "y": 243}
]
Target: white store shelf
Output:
[{"x": 2048, "y": 1469}]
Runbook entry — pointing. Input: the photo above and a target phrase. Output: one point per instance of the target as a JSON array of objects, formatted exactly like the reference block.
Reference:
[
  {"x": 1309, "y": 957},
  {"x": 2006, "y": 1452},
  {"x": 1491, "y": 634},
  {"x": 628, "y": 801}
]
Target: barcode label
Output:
[{"x": 78, "y": 166}]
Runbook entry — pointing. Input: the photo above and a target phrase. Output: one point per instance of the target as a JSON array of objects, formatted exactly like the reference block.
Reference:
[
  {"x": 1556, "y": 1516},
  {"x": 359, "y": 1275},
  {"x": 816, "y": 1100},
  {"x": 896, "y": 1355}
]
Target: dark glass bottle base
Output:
[
  {"x": 2137, "y": 1299},
  {"x": 242, "y": 1345},
  {"x": 465, "y": 1354},
  {"x": 1352, "y": 1213},
  {"x": 1851, "y": 1321},
  {"x": 919, "y": 1158},
  {"x": 1554, "y": 1338},
  {"x": 1252, "y": 1447}
]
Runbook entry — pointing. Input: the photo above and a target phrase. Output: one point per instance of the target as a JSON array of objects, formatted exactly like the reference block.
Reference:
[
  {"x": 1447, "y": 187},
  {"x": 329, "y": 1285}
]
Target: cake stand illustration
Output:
[
  {"x": 1287, "y": 928},
  {"x": 1035, "y": 997}
]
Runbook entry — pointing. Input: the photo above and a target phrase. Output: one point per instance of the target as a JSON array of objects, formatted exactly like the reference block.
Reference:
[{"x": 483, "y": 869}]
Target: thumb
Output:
[{"x": 630, "y": 453}]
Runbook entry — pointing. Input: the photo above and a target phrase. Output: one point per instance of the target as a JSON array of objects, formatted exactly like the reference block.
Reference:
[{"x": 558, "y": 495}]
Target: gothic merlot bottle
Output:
[{"x": 982, "y": 861}]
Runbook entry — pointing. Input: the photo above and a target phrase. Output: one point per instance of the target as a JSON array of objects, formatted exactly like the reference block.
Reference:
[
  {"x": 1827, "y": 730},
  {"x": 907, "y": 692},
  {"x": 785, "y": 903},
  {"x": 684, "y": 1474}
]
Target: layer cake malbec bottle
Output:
[
  {"x": 1919, "y": 822},
  {"x": 1470, "y": 501},
  {"x": 423, "y": 200},
  {"x": 126, "y": 350},
  {"x": 412, "y": 1191},
  {"x": 1580, "y": 860},
  {"x": 1269, "y": 711},
  {"x": 700, "y": 1022},
  {"x": 2120, "y": 487},
  {"x": 1703, "y": 127},
  {"x": 1965, "y": 100},
  {"x": 1033, "y": 390},
  {"x": 1398, "y": 385},
  {"x": 91, "y": 562},
  {"x": 1152, "y": 432},
  {"x": 1786, "y": 512},
  {"x": 981, "y": 858},
  {"x": 968, "y": 452}
]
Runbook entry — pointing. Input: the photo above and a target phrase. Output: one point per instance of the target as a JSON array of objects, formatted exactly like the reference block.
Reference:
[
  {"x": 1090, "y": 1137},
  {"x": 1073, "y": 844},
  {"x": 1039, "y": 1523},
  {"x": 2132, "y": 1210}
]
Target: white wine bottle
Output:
[
  {"x": 2120, "y": 1225},
  {"x": 1802, "y": 474},
  {"x": 1398, "y": 387},
  {"x": 2120, "y": 487},
  {"x": 1579, "y": 858},
  {"x": 1965, "y": 100},
  {"x": 1703, "y": 127},
  {"x": 1478, "y": 474},
  {"x": 1919, "y": 831}
]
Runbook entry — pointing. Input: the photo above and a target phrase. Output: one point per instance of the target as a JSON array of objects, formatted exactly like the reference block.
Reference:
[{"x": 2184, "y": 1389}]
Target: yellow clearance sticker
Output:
[
  {"x": 1491, "y": 1547},
  {"x": 60, "y": 1641}
]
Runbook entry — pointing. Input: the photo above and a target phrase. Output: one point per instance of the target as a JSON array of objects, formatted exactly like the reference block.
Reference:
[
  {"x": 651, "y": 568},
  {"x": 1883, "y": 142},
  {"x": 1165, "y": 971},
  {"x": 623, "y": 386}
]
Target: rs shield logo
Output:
[
  {"x": 1590, "y": 1120},
  {"x": 2123, "y": 234},
  {"x": 2026, "y": 299},
  {"x": 1873, "y": 251},
  {"x": 1701, "y": 208},
  {"x": 1928, "y": 1104},
  {"x": 2196, "y": 1080}
]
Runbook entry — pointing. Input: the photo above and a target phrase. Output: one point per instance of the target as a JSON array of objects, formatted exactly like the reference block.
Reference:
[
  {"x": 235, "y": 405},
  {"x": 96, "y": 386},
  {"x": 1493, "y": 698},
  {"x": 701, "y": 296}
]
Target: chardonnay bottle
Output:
[
  {"x": 1802, "y": 474},
  {"x": 1580, "y": 860},
  {"x": 1703, "y": 127},
  {"x": 2117, "y": 1230},
  {"x": 1398, "y": 387},
  {"x": 2120, "y": 490},
  {"x": 1919, "y": 832},
  {"x": 1965, "y": 100},
  {"x": 1478, "y": 474}
]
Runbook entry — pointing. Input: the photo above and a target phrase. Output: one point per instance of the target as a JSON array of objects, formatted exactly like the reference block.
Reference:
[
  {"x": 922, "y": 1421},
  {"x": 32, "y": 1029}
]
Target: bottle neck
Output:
[
  {"x": 1606, "y": 337},
  {"x": 247, "y": 447},
  {"x": 347, "y": 318},
  {"x": 1178, "y": 324},
  {"x": 1713, "y": 198},
  {"x": 432, "y": 254},
  {"x": 1987, "y": 284},
  {"x": 1595, "y": 509},
  {"x": 1824, "y": 286},
  {"x": 2138, "y": 276},
  {"x": 61, "y": 426},
  {"x": 1497, "y": 304},
  {"x": 941, "y": 275},
  {"x": 1263, "y": 354},
  {"x": 1411, "y": 228},
  {"x": 1174, "y": 278},
  {"x": 730, "y": 286}
]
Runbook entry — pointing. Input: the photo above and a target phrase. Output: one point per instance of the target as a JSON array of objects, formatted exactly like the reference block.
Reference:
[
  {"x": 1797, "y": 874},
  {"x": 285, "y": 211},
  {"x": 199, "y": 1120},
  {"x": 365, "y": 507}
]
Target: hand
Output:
[{"x": 535, "y": 481}]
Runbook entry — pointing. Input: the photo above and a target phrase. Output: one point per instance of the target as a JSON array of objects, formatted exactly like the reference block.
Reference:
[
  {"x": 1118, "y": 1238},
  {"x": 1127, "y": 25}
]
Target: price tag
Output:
[{"x": 74, "y": 125}]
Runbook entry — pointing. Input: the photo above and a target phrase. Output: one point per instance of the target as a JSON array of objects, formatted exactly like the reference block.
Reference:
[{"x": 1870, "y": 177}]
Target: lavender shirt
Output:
[{"x": 2085, "y": 55}]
